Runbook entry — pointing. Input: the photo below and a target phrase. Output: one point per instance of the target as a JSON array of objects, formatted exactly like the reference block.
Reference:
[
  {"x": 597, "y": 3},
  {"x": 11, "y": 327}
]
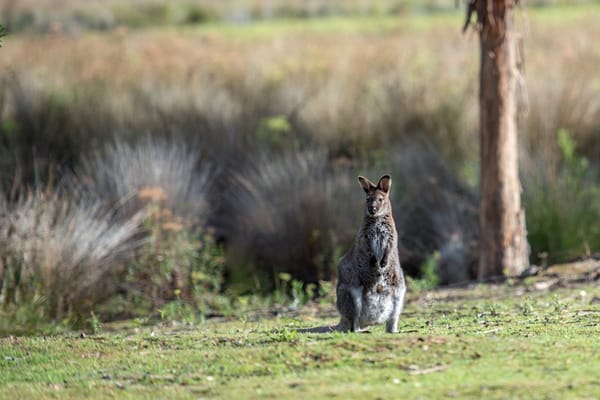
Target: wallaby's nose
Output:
[{"x": 371, "y": 210}]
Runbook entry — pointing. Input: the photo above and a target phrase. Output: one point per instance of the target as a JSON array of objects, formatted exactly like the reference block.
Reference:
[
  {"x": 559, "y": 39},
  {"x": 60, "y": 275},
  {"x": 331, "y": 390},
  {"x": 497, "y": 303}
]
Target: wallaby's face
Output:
[{"x": 378, "y": 196}]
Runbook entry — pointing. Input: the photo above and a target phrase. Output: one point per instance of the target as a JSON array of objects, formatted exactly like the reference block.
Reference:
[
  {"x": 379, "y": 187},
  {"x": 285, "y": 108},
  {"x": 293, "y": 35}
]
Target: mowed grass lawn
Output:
[{"x": 481, "y": 342}]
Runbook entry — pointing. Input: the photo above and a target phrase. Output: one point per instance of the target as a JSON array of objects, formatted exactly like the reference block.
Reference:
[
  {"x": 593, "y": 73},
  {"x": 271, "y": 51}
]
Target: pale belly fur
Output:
[{"x": 376, "y": 307}]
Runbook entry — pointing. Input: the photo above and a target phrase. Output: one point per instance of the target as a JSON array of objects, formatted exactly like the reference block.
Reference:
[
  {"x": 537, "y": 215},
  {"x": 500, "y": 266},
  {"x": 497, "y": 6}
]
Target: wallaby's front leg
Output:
[
  {"x": 373, "y": 263},
  {"x": 386, "y": 255}
]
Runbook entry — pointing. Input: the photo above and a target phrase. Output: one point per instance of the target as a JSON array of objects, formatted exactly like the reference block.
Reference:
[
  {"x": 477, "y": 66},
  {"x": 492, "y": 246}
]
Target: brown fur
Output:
[{"x": 371, "y": 284}]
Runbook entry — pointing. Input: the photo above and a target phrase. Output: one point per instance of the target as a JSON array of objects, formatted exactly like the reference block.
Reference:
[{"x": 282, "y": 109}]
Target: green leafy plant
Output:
[
  {"x": 94, "y": 323},
  {"x": 2, "y": 34},
  {"x": 178, "y": 270},
  {"x": 493, "y": 309},
  {"x": 557, "y": 305},
  {"x": 563, "y": 206},
  {"x": 276, "y": 132},
  {"x": 526, "y": 307},
  {"x": 284, "y": 334},
  {"x": 429, "y": 278}
]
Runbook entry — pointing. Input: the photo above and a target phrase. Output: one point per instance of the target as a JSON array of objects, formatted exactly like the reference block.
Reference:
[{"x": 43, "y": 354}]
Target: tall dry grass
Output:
[
  {"x": 415, "y": 83},
  {"x": 78, "y": 15},
  {"x": 128, "y": 227},
  {"x": 224, "y": 90},
  {"x": 291, "y": 213},
  {"x": 167, "y": 180},
  {"x": 436, "y": 212},
  {"x": 152, "y": 170},
  {"x": 61, "y": 253}
]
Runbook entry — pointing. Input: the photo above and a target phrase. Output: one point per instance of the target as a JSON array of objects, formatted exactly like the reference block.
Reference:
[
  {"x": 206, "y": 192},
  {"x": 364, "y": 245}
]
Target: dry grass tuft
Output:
[
  {"x": 289, "y": 213},
  {"x": 435, "y": 212},
  {"x": 62, "y": 252},
  {"x": 151, "y": 171}
]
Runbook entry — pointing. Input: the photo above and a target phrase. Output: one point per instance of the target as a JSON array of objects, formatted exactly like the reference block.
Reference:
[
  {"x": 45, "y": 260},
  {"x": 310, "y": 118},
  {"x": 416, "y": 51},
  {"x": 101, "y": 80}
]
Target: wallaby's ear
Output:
[
  {"x": 366, "y": 184},
  {"x": 385, "y": 183}
]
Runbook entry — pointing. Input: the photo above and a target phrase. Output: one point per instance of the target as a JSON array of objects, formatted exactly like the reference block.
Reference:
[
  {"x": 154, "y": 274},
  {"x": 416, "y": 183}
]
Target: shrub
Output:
[
  {"x": 177, "y": 264},
  {"x": 167, "y": 180},
  {"x": 60, "y": 253},
  {"x": 435, "y": 212},
  {"x": 131, "y": 221},
  {"x": 150, "y": 171},
  {"x": 562, "y": 203},
  {"x": 42, "y": 126},
  {"x": 288, "y": 213}
]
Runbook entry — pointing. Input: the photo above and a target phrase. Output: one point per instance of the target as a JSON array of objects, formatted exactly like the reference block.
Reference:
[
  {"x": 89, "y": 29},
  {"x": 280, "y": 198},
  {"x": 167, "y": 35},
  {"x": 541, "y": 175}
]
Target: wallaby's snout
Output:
[{"x": 375, "y": 204}]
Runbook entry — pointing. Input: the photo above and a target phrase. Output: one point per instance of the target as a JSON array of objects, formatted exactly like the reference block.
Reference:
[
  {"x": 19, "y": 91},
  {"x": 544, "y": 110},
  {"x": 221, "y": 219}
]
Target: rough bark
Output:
[{"x": 504, "y": 250}]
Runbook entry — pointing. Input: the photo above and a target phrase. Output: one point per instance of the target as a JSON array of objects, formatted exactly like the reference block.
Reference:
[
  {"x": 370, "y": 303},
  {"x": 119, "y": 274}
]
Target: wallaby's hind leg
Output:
[
  {"x": 349, "y": 304},
  {"x": 391, "y": 325},
  {"x": 356, "y": 293}
]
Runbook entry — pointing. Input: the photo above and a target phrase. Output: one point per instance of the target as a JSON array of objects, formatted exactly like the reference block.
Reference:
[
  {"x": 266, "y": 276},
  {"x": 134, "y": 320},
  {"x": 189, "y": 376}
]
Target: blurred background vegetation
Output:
[{"x": 184, "y": 157}]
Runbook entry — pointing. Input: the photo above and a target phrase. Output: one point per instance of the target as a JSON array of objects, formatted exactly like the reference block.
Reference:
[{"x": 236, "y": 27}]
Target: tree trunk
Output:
[{"x": 504, "y": 250}]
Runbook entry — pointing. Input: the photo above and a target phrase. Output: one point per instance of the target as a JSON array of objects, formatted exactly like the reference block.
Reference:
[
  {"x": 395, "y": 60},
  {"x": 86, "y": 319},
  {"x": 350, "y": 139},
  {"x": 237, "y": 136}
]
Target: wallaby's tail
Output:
[{"x": 322, "y": 329}]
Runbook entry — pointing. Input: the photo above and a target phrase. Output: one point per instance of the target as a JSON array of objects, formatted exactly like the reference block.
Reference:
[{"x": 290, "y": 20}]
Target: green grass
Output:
[
  {"x": 378, "y": 24},
  {"x": 325, "y": 25},
  {"x": 486, "y": 342}
]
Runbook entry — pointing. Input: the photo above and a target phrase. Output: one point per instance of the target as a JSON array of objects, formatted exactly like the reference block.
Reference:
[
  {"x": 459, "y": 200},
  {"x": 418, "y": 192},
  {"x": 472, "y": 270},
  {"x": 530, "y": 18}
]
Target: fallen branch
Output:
[{"x": 414, "y": 370}]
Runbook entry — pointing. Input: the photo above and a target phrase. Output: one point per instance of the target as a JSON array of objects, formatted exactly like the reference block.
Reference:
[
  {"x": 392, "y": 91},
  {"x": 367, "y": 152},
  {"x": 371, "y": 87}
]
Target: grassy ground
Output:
[{"x": 482, "y": 342}]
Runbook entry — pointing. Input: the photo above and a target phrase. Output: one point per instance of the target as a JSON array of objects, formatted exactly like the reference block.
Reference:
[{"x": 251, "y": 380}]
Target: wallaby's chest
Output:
[{"x": 377, "y": 238}]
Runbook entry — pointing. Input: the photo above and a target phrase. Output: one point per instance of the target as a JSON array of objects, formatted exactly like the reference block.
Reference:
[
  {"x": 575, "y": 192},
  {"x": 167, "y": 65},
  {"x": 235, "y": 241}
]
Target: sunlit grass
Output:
[
  {"x": 378, "y": 24},
  {"x": 491, "y": 342},
  {"x": 327, "y": 25}
]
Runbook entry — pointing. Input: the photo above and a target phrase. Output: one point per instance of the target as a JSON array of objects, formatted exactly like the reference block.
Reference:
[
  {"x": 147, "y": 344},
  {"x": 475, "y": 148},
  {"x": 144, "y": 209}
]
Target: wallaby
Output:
[{"x": 371, "y": 285}]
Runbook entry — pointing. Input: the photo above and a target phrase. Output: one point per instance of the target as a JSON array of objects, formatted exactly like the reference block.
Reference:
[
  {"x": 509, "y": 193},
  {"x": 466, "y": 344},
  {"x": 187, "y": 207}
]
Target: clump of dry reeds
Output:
[
  {"x": 62, "y": 252},
  {"x": 153, "y": 170},
  {"x": 435, "y": 211},
  {"x": 289, "y": 213},
  {"x": 131, "y": 221}
]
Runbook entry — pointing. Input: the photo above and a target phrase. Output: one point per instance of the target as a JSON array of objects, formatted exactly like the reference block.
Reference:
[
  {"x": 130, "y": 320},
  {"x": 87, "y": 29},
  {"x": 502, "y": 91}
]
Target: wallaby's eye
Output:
[{"x": 380, "y": 199}]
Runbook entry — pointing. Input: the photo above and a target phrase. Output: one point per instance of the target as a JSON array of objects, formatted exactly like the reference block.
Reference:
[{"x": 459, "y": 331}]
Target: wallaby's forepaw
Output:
[{"x": 373, "y": 263}]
